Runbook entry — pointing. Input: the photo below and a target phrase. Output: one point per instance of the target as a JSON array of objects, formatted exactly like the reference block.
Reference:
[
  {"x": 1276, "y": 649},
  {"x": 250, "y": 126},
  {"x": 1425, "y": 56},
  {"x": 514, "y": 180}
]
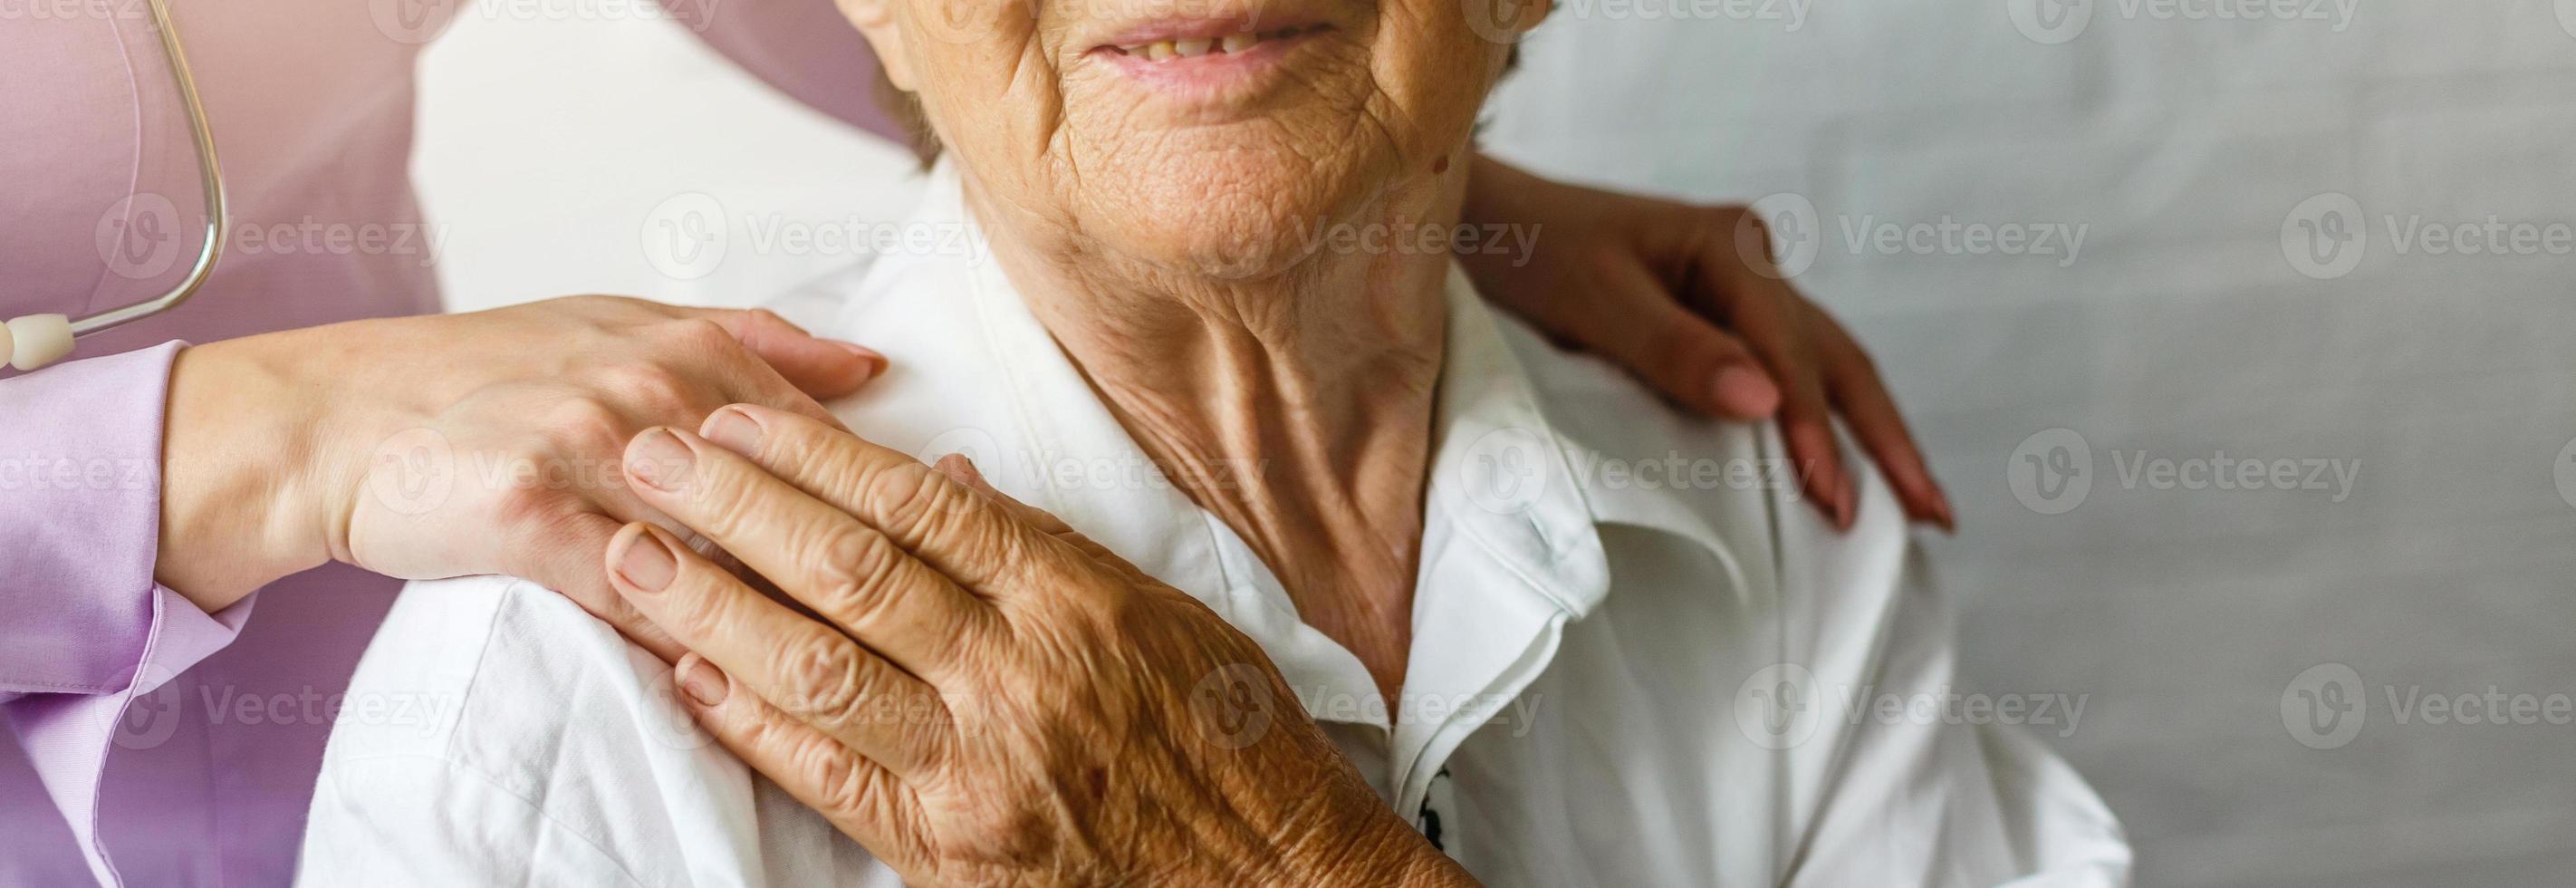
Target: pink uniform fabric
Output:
[{"x": 150, "y": 743}]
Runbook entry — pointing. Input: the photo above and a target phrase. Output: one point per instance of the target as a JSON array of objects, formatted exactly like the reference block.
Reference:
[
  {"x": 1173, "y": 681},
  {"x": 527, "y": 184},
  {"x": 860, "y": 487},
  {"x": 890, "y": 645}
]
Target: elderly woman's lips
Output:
[{"x": 1209, "y": 46}]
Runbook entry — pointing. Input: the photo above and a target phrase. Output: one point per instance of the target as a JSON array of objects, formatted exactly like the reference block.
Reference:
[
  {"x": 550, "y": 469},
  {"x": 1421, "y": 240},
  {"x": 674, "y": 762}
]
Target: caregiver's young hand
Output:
[
  {"x": 981, "y": 696},
  {"x": 1678, "y": 294},
  {"x": 445, "y": 445}
]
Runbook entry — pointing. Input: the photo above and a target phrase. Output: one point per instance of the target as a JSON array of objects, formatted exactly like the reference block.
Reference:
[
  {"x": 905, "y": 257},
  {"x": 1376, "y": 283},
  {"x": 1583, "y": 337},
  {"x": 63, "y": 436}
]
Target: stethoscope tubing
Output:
[{"x": 210, "y": 172}]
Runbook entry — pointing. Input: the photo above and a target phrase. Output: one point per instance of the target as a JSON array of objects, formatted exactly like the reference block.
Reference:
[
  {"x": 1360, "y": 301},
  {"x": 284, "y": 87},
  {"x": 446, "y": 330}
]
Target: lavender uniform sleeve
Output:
[{"x": 87, "y": 628}]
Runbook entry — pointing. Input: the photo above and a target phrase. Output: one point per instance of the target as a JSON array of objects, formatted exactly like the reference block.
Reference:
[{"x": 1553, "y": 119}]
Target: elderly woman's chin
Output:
[{"x": 1230, "y": 210}]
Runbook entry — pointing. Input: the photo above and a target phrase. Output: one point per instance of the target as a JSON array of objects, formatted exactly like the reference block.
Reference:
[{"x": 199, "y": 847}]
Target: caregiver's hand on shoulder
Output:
[
  {"x": 974, "y": 692},
  {"x": 1687, "y": 299},
  {"x": 446, "y": 445}
]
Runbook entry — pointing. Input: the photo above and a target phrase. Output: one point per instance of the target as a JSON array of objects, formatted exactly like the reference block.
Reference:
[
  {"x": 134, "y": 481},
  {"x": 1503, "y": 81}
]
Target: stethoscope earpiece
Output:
[{"x": 34, "y": 341}]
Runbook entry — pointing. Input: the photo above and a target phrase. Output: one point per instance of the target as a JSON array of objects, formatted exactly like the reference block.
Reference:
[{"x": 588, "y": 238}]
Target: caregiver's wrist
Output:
[
  {"x": 1493, "y": 192},
  {"x": 239, "y": 509}
]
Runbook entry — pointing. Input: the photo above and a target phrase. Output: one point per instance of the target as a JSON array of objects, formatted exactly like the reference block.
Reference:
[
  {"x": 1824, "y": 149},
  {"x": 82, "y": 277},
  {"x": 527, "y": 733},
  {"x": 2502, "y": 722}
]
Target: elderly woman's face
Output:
[{"x": 1198, "y": 136}]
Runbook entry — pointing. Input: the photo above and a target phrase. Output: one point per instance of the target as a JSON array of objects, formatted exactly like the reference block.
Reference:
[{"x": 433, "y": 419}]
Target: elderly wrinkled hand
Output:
[{"x": 987, "y": 697}]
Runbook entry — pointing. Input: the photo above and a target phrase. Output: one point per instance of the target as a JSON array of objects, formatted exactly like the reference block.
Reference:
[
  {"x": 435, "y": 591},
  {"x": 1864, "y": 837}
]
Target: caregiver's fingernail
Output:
[
  {"x": 659, "y": 459},
  {"x": 876, "y": 360},
  {"x": 733, "y": 430},
  {"x": 701, "y": 680},
  {"x": 1747, "y": 391},
  {"x": 644, "y": 562}
]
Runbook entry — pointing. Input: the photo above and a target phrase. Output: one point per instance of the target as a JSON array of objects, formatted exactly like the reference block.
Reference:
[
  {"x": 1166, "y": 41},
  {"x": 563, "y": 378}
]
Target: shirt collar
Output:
[{"x": 1513, "y": 510}]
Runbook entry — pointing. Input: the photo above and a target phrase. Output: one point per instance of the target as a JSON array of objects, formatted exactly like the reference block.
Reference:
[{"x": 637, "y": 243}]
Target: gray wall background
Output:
[{"x": 2189, "y": 327}]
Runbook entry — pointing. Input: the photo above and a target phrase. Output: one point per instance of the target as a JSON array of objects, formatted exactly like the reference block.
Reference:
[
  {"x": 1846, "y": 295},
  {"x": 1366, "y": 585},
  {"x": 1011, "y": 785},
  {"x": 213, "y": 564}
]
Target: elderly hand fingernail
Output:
[
  {"x": 645, "y": 563},
  {"x": 660, "y": 459},
  {"x": 701, "y": 680},
  {"x": 733, "y": 430},
  {"x": 1746, "y": 390}
]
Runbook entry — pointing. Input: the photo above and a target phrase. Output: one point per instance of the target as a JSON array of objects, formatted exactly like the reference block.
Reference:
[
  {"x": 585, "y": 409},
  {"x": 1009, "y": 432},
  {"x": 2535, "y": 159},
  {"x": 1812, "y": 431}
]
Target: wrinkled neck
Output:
[{"x": 1297, "y": 407}]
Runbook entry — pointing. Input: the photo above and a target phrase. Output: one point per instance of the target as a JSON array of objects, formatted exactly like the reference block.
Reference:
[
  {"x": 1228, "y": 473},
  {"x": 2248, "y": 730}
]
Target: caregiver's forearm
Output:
[
  {"x": 450, "y": 445},
  {"x": 237, "y": 509}
]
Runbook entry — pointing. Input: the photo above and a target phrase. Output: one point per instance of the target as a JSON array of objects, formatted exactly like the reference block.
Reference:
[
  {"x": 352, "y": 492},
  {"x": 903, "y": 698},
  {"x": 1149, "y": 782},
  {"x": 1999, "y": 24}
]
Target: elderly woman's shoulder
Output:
[
  {"x": 1634, "y": 450},
  {"x": 1592, "y": 403}
]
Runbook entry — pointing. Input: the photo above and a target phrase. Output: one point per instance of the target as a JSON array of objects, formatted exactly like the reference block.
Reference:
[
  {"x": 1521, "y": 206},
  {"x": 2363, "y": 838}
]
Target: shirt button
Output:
[{"x": 1428, "y": 819}]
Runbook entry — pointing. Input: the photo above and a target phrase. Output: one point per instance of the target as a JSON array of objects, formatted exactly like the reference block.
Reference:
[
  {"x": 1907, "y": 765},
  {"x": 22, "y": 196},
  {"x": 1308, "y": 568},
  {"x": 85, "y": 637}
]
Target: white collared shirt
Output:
[{"x": 1638, "y": 658}]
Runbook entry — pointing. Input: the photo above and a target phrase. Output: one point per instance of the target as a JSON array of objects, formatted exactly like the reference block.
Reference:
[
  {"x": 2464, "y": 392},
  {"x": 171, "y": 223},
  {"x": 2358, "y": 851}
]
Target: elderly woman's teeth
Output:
[{"x": 1166, "y": 50}]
